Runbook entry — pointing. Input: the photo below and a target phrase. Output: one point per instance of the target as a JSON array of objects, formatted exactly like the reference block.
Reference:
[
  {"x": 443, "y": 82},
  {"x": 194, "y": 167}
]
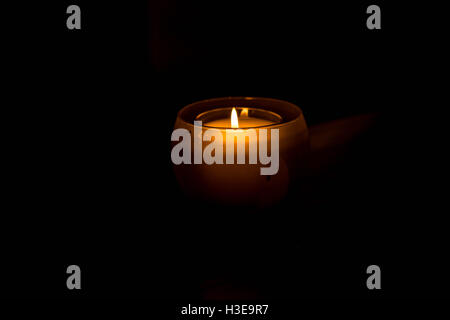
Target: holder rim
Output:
[{"x": 295, "y": 113}]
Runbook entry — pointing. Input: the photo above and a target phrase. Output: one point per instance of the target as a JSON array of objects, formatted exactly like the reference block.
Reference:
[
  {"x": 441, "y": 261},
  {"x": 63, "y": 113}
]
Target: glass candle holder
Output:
[{"x": 243, "y": 183}]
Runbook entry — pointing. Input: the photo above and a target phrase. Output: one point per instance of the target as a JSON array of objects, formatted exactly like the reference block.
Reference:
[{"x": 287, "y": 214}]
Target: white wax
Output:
[{"x": 244, "y": 122}]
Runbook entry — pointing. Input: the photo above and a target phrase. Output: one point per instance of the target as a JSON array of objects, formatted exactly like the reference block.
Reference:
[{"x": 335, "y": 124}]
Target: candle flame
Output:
[{"x": 234, "y": 119}]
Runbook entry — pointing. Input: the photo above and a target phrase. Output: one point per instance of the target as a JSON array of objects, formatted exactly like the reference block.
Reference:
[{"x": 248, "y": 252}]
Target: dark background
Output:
[{"x": 89, "y": 115}]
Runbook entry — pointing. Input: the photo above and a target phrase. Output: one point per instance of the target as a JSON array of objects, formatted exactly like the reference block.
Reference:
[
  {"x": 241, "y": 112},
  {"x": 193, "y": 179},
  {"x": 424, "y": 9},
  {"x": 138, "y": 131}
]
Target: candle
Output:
[
  {"x": 242, "y": 122},
  {"x": 242, "y": 183}
]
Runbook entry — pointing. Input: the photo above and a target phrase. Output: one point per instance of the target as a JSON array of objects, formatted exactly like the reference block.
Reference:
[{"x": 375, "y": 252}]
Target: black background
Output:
[{"x": 89, "y": 115}]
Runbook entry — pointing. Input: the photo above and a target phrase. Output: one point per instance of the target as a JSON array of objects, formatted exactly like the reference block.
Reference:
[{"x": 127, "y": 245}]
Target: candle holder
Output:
[{"x": 243, "y": 184}]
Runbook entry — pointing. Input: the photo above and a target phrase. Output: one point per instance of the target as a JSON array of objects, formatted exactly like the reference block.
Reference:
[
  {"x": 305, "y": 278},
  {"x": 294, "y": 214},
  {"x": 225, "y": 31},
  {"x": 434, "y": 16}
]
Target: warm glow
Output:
[
  {"x": 234, "y": 119},
  {"x": 244, "y": 112}
]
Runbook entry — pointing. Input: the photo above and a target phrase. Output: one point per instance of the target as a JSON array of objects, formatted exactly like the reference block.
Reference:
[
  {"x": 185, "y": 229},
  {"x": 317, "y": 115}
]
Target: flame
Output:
[
  {"x": 244, "y": 112},
  {"x": 234, "y": 119}
]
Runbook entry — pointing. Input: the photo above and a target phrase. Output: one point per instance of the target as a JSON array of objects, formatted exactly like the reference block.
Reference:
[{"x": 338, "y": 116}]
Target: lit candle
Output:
[
  {"x": 242, "y": 122},
  {"x": 242, "y": 183}
]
